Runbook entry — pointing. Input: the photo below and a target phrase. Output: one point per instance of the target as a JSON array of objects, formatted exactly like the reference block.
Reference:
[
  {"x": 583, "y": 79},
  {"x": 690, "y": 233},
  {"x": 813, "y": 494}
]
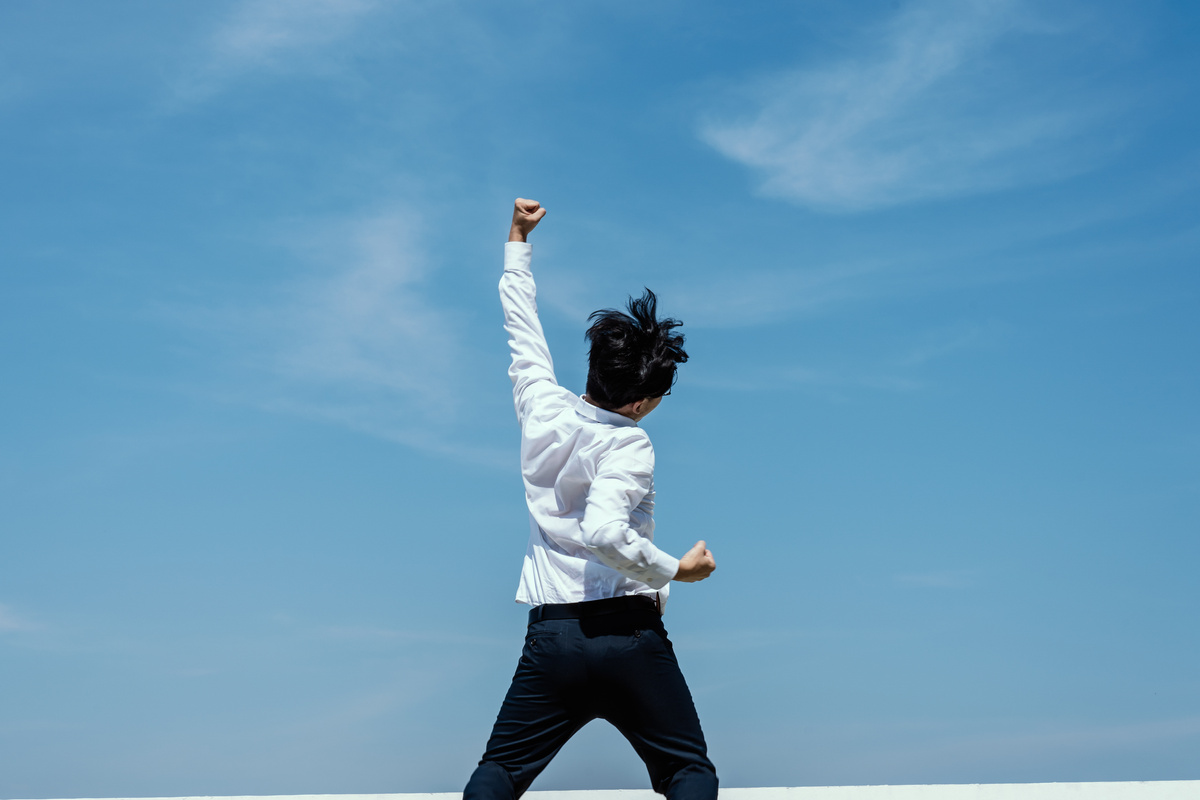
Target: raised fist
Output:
[{"x": 526, "y": 215}]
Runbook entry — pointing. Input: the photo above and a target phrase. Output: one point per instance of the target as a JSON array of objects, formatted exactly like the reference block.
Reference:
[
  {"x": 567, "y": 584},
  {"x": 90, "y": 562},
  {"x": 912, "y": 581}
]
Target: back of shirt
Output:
[{"x": 588, "y": 473}]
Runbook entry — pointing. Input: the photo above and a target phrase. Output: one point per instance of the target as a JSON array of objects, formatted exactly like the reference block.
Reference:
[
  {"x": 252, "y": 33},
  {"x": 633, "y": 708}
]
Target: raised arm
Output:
[{"x": 531, "y": 368}]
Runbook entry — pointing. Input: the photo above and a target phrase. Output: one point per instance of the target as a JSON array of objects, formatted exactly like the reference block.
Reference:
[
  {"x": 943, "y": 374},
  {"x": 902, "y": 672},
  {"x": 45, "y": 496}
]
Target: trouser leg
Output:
[
  {"x": 539, "y": 714},
  {"x": 652, "y": 707}
]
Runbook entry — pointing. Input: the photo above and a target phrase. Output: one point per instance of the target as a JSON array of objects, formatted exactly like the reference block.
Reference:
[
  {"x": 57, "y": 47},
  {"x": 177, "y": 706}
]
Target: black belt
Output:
[{"x": 593, "y": 608}]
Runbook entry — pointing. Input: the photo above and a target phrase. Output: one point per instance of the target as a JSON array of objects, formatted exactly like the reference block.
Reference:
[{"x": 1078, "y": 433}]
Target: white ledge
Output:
[{"x": 1126, "y": 790}]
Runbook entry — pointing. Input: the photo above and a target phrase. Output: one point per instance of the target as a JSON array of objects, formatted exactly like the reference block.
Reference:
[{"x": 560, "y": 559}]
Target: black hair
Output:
[{"x": 633, "y": 356}]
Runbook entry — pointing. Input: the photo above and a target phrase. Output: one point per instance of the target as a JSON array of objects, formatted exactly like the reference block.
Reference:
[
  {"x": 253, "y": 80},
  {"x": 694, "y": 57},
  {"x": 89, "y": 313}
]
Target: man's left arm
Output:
[
  {"x": 531, "y": 362},
  {"x": 526, "y": 215}
]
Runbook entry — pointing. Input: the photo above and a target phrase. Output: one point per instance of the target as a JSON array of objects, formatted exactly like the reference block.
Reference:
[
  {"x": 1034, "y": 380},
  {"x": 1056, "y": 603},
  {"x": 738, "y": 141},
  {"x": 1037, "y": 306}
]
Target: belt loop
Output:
[{"x": 658, "y": 603}]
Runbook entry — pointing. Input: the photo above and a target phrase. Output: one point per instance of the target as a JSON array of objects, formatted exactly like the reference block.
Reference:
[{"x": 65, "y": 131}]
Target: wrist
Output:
[{"x": 515, "y": 234}]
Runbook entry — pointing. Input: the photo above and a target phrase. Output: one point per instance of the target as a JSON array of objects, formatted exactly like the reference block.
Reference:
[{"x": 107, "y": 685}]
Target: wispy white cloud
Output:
[
  {"x": 945, "y": 100},
  {"x": 832, "y": 382},
  {"x": 908, "y": 369},
  {"x": 363, "y": 320},
  {"x": 275, "y": 36},
  {"x": 763, "y": 295},
  {"x": 262, "y": 30},
  {"x": 945, "y": 343},
  {"x": 12, "y": 622},
  {"x": 757, "y": 296},
  {"x": 355, "y": 339}
]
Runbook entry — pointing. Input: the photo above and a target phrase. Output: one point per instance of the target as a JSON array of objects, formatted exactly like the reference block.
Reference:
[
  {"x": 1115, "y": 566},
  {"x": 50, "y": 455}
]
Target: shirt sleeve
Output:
[
  {"x": 624, "y": 476},
  {"x": 532, "y": 369}
]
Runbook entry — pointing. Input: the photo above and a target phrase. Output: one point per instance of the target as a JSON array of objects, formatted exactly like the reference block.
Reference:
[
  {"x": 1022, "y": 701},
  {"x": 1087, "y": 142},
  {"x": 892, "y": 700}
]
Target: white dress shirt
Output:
[{"x": 588, "y": 472}]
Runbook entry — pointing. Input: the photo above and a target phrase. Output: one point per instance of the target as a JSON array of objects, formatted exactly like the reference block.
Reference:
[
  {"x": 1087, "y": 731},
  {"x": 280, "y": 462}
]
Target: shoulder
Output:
[
  {"x": 631, "y": 451},
  {"x": 543, "y": 406},
  {"x": 548, "y": 398}
]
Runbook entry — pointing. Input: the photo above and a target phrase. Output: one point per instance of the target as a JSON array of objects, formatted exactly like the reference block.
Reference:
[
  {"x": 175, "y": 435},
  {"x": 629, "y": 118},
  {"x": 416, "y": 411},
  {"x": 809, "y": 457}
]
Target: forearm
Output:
[{"x": 618, "y": 546}]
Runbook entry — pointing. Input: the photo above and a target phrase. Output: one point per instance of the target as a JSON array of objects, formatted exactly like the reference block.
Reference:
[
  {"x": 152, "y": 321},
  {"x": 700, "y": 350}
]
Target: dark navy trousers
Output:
[{"x": 618, "y": 667}]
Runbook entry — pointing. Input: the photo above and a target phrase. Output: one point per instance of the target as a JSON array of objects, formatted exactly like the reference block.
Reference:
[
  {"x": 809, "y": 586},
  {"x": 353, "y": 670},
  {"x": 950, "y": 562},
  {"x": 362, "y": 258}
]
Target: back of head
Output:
[{"x": 633, "y": 356}]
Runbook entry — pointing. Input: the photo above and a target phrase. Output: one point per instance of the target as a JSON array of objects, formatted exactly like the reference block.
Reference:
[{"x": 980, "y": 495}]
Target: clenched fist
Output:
[
  {"x": 526, "y": 215},
  {"x": 696, "y": 564}
]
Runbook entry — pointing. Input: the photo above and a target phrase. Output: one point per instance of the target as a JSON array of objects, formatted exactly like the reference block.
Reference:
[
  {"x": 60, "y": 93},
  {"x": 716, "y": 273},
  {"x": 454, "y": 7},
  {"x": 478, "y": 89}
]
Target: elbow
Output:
[
  {"x": 602, "y": 540},
  {"x": 590, "y": 535}
]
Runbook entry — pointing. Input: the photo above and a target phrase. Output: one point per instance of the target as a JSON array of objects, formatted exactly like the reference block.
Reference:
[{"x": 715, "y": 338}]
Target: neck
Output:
[{"x": 626, "y": 410}]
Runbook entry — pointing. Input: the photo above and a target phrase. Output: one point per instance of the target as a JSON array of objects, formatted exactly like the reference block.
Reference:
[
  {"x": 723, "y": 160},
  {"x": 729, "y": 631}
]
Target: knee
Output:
[
  {"x": 693, "y": 782},
  {"x": 490, "y": 781}
]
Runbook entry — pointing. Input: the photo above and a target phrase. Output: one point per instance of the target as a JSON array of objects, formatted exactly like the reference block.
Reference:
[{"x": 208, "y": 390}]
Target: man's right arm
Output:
[
  {"x": 696, "y": 565},
  {"x": 623, "y": 478}
]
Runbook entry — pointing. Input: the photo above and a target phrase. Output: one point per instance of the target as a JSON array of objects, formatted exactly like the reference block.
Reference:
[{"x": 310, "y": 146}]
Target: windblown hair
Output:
[{"x": 633, "y": 356}]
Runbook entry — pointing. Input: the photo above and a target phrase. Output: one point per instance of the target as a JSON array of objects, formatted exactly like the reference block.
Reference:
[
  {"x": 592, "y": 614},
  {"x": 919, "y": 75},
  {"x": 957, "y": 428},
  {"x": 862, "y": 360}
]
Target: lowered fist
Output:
[{"x": 696, "y": 564}]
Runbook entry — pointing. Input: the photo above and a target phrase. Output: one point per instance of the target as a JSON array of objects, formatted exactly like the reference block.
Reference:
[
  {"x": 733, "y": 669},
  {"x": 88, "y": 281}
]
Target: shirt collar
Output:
[{"x": 598, "y": 414}]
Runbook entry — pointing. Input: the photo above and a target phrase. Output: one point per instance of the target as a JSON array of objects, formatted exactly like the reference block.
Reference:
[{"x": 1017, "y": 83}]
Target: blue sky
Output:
[{"x": 260, "y": 510}]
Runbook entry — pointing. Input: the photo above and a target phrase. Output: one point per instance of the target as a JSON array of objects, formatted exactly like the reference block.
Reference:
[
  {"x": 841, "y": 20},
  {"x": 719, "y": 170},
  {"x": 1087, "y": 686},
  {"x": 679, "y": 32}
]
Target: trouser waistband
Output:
[{"x": 593, "y": 608}]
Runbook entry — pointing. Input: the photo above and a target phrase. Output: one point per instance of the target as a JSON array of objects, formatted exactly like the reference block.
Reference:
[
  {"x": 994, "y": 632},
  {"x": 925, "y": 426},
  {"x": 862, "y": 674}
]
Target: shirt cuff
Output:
[
  {"x": 517, "y": 256},
  {"x": 665, "y": 568}
]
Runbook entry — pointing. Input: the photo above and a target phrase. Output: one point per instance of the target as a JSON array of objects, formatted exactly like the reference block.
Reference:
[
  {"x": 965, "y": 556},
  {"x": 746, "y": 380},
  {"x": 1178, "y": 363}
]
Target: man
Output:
[{"x": 596, "y": 646}]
